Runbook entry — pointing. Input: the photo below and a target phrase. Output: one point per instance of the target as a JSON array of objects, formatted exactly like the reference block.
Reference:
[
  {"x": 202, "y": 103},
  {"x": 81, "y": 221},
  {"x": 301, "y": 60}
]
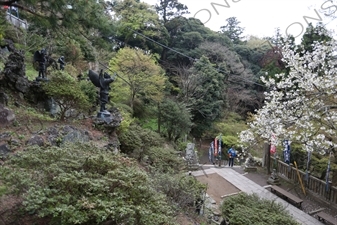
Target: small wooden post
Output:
[
  {"x": 300, "y": 179},
  {"x": 267, "y": 156}
]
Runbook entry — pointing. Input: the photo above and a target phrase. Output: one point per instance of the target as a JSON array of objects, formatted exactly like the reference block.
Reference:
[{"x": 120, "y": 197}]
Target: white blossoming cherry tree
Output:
[{"x": 301, "y": 106}]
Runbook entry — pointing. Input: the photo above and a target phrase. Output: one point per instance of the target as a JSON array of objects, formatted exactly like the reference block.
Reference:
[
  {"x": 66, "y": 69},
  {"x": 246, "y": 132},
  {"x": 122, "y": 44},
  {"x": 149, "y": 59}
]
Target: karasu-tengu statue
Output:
[
  {"x": 40, "y": 57},
  {"x": 102, "y": 81}
]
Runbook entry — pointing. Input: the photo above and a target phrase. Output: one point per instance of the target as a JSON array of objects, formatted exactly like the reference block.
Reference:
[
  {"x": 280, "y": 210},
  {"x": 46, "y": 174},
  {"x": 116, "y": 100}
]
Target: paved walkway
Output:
[{"x": 250, "y": 187}]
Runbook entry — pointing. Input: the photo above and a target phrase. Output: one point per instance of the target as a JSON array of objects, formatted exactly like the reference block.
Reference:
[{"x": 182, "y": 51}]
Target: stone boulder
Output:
[
  {"x": 112, "y": 121},
  {"x": 4, "y": 98},
  {"x": 15, "y": 72},
  {"x": 4, "y": 150},
  {"x": 36, "y": 140},
  {"x": 7, "y": 116},
  {"x": 5, "y": 141},
  {"x": 60, "y": 135}
]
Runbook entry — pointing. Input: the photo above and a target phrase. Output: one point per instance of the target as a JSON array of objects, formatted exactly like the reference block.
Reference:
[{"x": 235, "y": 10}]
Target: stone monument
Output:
[
  {"x": 249, "y": 165},
  {"x": 273, "y": 179}
]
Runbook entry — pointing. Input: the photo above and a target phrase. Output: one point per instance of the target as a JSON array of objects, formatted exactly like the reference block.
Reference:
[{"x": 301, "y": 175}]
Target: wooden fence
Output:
[{"x": 311, "y": 183}]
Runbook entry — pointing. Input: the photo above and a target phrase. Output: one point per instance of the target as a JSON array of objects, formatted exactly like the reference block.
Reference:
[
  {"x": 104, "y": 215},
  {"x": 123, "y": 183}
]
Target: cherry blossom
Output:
[{"x": 300, "y": 106}]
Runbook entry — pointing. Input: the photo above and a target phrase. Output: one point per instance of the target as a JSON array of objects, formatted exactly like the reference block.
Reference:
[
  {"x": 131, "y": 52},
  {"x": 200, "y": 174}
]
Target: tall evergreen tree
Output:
[
  {"x": 233, "y": 30},
  {"x": 313, "y": 34},
  {"x": 203, "y": 91},
  {"x": 170, "y": 9}
]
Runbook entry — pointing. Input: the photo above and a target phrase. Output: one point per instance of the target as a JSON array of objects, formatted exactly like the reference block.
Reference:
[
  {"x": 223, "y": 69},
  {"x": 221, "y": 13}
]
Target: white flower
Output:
[{"x": 300, "y": 106}]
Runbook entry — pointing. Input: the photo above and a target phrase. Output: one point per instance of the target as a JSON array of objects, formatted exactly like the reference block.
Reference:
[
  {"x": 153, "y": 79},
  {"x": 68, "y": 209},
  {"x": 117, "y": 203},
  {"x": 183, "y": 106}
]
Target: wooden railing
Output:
[
  {"x": 16, "y": 21},
  {"x": 311, "y": 183}
]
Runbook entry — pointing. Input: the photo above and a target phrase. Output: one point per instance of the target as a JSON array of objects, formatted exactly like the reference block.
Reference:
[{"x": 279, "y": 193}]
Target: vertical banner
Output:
[
  {"x": 286, "y": 151},
  {"x": 211, "y": 152},
  {"x": 327, "y": 175},
  {"x": 219, "y": 152},
  {"x": 272, "y": 144},
  {"x": 215, "y": 147}
]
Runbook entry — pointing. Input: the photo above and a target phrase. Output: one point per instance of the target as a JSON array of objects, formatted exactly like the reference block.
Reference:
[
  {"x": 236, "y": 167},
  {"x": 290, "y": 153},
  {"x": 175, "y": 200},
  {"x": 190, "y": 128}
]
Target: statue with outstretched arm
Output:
[{"x": 103, "y": 81}]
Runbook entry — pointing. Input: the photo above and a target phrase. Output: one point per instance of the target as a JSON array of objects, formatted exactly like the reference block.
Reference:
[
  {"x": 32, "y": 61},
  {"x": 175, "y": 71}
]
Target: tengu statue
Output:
[
  {"x": 62, "y": 62},
  {"x": 102, "y": 81},
  {"x": 40, "y": 57}
]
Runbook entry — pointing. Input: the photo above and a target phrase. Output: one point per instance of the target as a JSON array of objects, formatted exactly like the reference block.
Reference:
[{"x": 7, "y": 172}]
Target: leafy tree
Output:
[
  {"x": 241, "y": 92},
  {"x": 186, "y": 34},
  {"x": 84, "y": 21},
  {"x": 313, "y": 34},
  {"x": 169, "y": 9},
  {"x": 202, "y": 90},
  {"x": 175, "y": 119},
  {"x": 90, "y": 91},
  {"x": 229, "y": 126},
  {"x": 271, "y": 62},
  {"x": 277, "y": 39},
  {"x": 301, "y": 106},
  {"x": 71, "y": 49},
  {"x": 233, "y": 30},
  {"x": 140, "y": 76},
  {"x": 136, "y": 22},
  {"x": 76, "y": 15},
  {"x": 66, "y": 92},
  {"x": 83, "y": 184},
  {"x": 250, "y": 209}
]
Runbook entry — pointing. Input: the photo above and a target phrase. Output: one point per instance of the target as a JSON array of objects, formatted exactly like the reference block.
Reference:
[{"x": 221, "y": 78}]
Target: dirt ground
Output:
[{"x": 217, "y": 186}]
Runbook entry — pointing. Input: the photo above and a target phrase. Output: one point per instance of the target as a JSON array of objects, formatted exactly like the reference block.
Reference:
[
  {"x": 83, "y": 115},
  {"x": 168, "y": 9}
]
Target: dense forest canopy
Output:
[{"x": 212, "y": 73}]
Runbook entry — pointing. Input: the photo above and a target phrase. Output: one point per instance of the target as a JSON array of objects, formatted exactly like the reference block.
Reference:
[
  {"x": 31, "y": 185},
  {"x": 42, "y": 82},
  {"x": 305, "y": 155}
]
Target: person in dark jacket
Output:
[{"x": 231, "y": 155}]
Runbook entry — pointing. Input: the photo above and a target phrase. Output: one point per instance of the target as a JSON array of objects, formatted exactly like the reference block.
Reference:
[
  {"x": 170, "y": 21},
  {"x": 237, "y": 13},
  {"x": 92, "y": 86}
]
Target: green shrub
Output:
[
  {"x": 136, "y": 139},
  {"x": 82, "y": 184},
  {"x": 126, "y": 113},
  {"x": 181, "y": 190},
  {"x": 231, "y": 125},
  {"x": 250, "y": 209},
  {"x": 66, "y": 92},
  {"x": 3, "y": 190},
  {"x": 164, "y": 159},
  {"x": 90, "y": 91}
]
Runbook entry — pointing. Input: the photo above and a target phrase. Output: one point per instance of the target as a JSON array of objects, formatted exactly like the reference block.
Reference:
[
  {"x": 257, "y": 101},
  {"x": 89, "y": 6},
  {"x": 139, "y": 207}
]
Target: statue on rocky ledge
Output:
[
  {"x": 41, "y": 58},
  {"x": 61, "y": 62},
  {"x": 102, "y": 81}
]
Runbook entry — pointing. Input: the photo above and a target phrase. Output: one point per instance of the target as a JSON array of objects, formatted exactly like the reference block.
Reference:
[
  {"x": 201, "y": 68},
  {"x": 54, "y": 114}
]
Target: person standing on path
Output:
[{"x": 231, "y": 155}]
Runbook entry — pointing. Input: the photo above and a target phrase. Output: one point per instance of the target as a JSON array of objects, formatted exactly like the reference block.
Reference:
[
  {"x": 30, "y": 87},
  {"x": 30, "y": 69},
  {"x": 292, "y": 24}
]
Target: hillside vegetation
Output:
[{"x": 176, "y": 81}]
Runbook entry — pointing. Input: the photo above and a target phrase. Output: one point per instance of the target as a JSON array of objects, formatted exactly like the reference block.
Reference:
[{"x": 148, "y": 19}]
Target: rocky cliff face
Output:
[
  {"x": 13, "y": 78},
  {"x": 14, "y": 75}
]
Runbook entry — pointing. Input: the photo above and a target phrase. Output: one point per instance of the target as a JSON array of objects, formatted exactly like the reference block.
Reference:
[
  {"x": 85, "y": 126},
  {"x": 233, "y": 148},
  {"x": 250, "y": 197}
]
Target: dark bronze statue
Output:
[
  {"x": 62, "y": 62},
  {"x": 102, "y": 81},
  {"x": 41, "y": 58}
]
